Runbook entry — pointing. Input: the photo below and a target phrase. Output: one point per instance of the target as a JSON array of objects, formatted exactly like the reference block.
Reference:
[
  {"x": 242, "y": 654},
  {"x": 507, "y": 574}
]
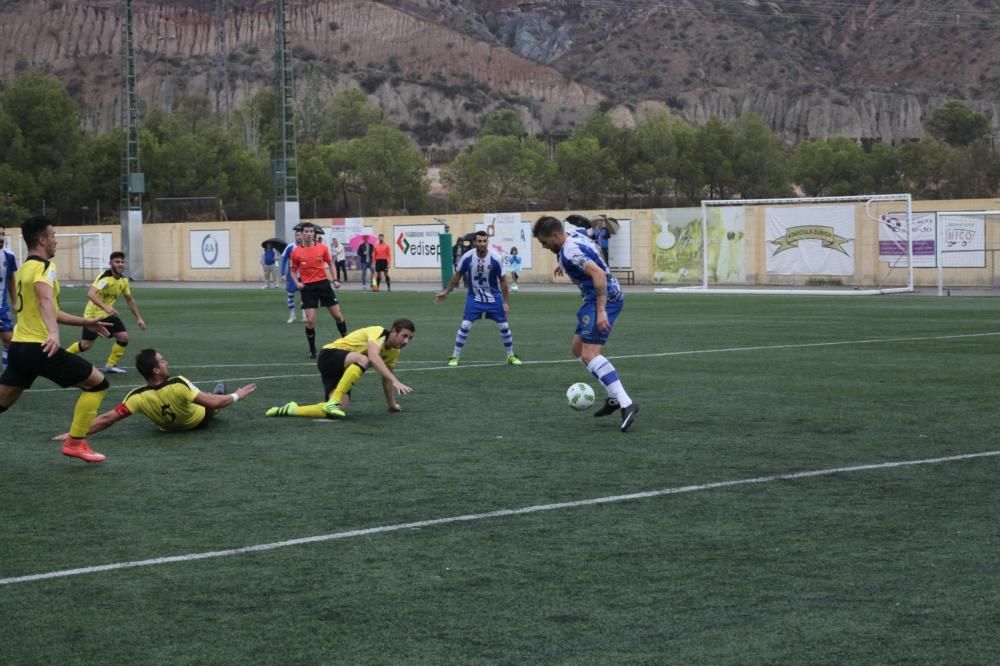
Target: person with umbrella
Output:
[{"x": 269, "y": 261}]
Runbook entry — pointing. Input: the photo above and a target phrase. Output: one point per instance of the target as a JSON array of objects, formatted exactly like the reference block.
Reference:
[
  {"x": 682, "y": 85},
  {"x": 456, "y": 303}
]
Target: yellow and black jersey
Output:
[
  {"x": 30, "y": 326},
  {"x": 357, "y": 341},
  {"x": 170, "y": 405},
  {"x": 109, "y": 287}
]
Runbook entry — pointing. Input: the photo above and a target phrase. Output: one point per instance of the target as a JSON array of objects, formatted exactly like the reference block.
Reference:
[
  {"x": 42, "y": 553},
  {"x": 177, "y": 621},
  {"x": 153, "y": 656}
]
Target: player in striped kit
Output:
[
  {"x": 603, "y": 300},
  {"x": 487, "y": 296}
]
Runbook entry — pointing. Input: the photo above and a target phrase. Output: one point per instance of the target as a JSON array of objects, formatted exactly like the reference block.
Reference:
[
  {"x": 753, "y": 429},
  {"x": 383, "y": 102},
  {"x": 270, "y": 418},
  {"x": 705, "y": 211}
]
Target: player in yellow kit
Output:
[
  {"x": 171, "y": 403},
  {"x": 101, "y": 298},
  {"x": 35, "y": 350},
  {"x": 342, "y": 362}
]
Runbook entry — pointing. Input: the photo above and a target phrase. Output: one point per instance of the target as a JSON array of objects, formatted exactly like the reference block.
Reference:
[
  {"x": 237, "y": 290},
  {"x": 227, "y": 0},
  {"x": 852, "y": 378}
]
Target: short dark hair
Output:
[
  {"x": 546, "y": 225},
  {"x": 145, "y": 362},
  {"x": 33, "y": 228},
  {"x": 482, "y": 233},
  {"x": 117, "y": 255},
  {"x": 308, "y": 224},
  {"x": 404, "y": 323}
]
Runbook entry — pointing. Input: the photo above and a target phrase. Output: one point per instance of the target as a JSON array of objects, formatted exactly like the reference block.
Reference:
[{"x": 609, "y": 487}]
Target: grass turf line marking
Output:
[{"x": 502, "y": 513}]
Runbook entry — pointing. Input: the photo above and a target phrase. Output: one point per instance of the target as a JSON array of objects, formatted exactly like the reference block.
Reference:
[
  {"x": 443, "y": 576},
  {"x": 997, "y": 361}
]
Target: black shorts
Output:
[
  {"x": 26, "y": 362},
  {"x": 315, "y": 294},
  {"x": 331, "y": 369},
  {"x": 381, "y": 265},
  {"x": 115, "y": 325}
]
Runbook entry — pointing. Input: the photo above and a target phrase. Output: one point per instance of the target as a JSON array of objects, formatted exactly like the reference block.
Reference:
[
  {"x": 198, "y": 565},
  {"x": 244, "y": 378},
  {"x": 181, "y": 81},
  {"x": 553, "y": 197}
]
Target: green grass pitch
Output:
[{"x": 884, "y": 564}]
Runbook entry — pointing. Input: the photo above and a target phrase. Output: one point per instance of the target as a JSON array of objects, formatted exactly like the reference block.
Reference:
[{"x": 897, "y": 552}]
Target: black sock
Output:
[
  {"x": 342, "y": 327},
  {"x": 311, "y": 337}
]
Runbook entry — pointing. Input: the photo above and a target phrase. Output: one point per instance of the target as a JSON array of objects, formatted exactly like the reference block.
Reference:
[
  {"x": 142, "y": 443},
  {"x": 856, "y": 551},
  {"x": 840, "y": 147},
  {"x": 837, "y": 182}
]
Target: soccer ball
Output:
[{"x": 580, "y": 396}]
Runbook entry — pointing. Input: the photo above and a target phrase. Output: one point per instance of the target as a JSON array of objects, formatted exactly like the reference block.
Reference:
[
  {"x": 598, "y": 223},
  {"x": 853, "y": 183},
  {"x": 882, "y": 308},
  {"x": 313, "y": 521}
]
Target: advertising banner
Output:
[
  {"x": 209, "y": 248},
  {"x": 813, "y": 240},
  {"x": 677, "y": 245},
  {"x": 506, "y": 231},
  {"x": 417, "y": 245},
  {"x": 892, "y": 239},
  {"x": 963, "y": 240}
]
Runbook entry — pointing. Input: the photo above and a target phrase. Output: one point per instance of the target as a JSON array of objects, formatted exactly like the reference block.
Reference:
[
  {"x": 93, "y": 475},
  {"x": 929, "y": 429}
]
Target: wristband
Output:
[{"x": 235, "y": 397}]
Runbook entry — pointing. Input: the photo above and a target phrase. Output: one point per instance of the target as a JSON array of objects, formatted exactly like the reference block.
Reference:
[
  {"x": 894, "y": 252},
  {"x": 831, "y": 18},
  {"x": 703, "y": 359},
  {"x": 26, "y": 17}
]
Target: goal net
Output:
[
  {"x": 80, "y": 258},
  {"x": 851, "y": 245}
]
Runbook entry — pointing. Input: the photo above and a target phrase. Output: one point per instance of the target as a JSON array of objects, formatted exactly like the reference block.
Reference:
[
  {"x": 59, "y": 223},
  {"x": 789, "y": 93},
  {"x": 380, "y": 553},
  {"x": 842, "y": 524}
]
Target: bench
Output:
[{"x": 624, "y": 275}]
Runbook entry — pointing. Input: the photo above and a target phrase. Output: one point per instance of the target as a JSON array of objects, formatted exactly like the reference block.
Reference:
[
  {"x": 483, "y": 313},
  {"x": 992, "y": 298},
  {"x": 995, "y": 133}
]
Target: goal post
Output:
[{"x": 838, "y": 245}]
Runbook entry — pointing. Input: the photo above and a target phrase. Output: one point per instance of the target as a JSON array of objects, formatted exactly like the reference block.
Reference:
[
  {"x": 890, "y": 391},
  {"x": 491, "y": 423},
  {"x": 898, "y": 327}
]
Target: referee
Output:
[{"x": 313, "y": 266}]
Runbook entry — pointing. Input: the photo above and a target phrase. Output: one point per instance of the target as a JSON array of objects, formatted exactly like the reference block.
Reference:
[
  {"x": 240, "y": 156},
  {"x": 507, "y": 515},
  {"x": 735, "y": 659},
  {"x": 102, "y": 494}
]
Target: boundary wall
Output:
[{"x": 168, "y": 250}]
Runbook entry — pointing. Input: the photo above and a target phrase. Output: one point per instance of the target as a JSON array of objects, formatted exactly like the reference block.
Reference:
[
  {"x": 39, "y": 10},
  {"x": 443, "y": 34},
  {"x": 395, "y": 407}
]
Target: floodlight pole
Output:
[
  {"x": 133, "y": 183},
  {"x": 284, "y": 166}
]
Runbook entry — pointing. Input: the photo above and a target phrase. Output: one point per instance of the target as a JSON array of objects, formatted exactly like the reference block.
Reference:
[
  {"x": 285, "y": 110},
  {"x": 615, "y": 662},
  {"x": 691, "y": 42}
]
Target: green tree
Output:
[
  {"x": 759, "y": 160},
  {"x": 499, "y": 172},
  {"x": 348, "y": 116},
  {"x": 40, "y": 130},
  {"x": 387, "y": 171},
  {"x": 324, "y": 172},
  {"x": 884, "y": 170},
  {"x": 834, "y": 167},
  {"x": 922, "y": 165},
  {"x": 502, "y": 123},
  {"x": 956, "y": 124},
  {"x": 716, "y": 145},
  {"x": 579, "y": 172}
]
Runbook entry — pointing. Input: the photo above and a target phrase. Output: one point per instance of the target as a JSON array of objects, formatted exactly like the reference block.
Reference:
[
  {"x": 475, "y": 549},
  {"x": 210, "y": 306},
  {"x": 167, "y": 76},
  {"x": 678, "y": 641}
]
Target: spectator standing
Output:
[
  {"x": 365, "y": 254},
  {"x": 339, "y": 259},
  {"x": 269, "y": 263}
]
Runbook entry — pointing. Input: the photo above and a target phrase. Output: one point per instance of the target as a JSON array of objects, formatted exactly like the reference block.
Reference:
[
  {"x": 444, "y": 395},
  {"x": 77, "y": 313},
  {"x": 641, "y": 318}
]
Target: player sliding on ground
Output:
[
  {"x": 342, "y": 362},
  {"x": 603, "y": 299},
  {"x": 172, "y": 403}
]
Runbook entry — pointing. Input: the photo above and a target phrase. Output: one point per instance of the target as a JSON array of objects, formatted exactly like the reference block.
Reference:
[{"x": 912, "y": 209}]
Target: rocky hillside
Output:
[{"x": 868, "y": 69}]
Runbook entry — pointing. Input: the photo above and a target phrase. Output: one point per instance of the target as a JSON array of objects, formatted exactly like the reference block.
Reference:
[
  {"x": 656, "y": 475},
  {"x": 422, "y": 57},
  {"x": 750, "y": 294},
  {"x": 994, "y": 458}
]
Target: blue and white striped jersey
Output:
[
  {"x": 574, "y": 255},
  {"x": 482, "y": 275}
]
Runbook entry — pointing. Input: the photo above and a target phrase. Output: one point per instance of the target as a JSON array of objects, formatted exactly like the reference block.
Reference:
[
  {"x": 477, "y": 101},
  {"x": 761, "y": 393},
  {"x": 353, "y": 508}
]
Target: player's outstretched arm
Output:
[
  {"x": 105, "y": 420},
  {"x": 212, "y": 401},
  {"x": 443, "y": 294},
  {"x": 381, "y": 368}
]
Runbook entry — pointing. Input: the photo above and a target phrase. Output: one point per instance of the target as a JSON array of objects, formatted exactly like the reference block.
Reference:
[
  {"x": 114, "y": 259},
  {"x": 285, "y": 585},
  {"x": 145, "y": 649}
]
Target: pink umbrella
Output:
[{"x": 356, "y": 241}]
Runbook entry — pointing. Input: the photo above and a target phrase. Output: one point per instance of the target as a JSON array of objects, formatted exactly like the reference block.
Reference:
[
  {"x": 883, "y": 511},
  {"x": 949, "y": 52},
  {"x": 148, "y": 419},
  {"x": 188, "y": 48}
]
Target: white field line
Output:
[
  {"x": 442, "y": 367},
  {"x": 502, "y": 513}
]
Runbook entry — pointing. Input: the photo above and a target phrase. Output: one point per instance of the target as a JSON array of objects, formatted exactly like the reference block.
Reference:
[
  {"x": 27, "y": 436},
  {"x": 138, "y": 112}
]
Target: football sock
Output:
[
  {"x": 605, "y": 373},
  {"x": 462, "y": 336},
  {"x": 388, "y": 283},
  {"x": 342, "y": 327},
  {"x": 72, "y": 349},
  {"x": 351, "y": 375},
  {"x": 290, "y": 299},
  {"x": 85, "y": 410},
  {"x": 507, "y": 337},
  {"x": 311, "y": 339},
  {"x": 117, "y": 350},
  {"x": 311, "y": 411}
]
